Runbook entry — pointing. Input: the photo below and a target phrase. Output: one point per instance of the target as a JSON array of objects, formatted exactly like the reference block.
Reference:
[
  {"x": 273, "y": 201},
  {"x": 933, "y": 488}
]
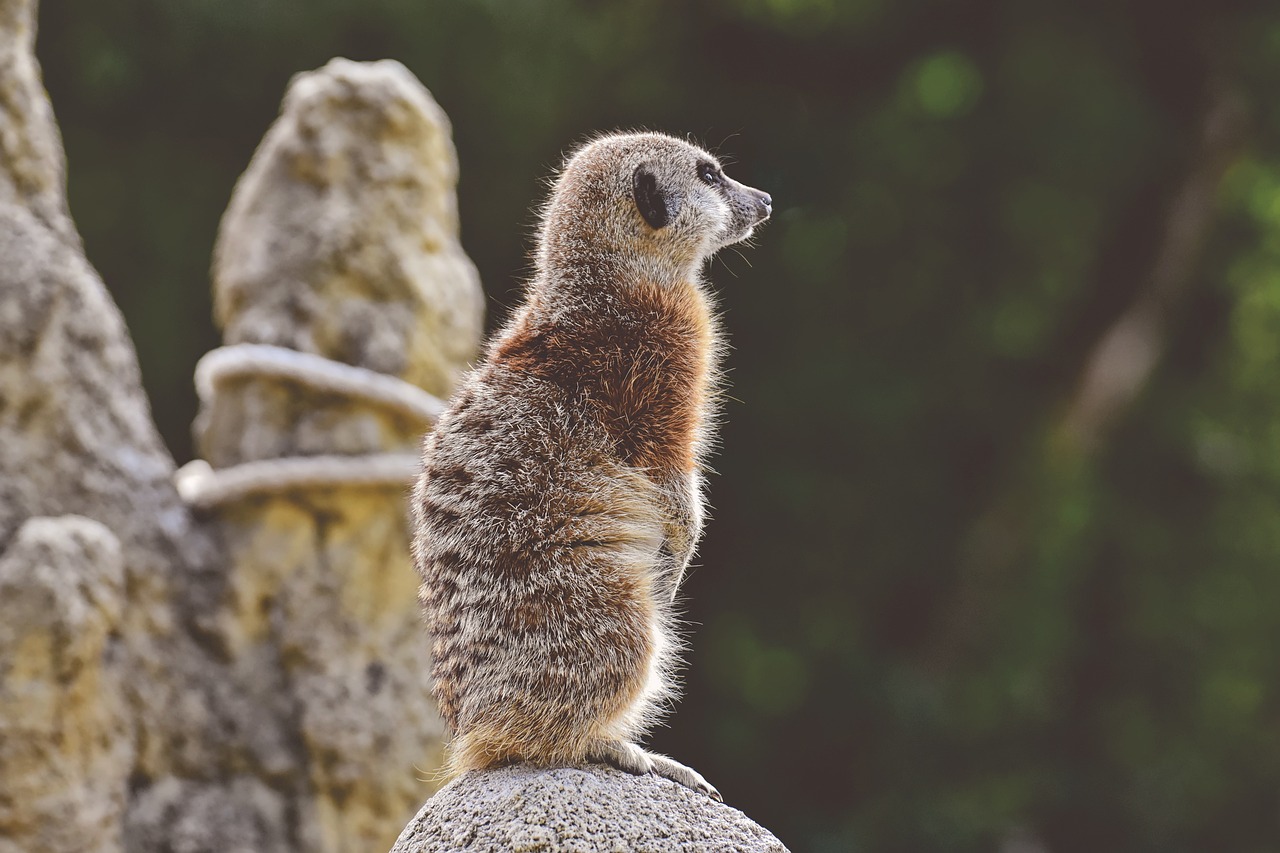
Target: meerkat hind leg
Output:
[{"x": 631, "y": 758}]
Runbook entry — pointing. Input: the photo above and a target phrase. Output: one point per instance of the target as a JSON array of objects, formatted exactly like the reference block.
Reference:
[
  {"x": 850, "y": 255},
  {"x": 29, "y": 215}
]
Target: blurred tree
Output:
[{"x": 934, "y": 614}]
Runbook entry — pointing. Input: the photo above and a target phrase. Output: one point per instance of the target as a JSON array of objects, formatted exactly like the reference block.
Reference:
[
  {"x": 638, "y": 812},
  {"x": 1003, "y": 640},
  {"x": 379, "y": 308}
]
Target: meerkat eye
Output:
[{"x": 709, "y": 174}]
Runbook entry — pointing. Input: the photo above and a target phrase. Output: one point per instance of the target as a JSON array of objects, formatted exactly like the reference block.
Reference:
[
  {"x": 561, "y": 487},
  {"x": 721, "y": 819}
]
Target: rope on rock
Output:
[
  {"x": 317, "y": 373},
  {"x": 204, "y": 487}
]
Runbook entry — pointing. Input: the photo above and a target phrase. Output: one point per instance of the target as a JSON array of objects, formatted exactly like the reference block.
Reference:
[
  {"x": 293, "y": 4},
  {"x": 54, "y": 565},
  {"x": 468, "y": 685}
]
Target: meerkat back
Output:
[{"x": 560, "y": 499}]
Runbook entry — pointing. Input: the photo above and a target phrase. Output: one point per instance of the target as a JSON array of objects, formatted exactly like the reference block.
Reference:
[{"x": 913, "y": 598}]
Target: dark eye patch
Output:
[{"x": 708, "y": 173}]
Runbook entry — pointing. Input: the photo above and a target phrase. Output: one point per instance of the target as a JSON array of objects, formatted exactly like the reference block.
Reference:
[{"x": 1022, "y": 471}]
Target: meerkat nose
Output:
[{"x": 766, "y": 202}]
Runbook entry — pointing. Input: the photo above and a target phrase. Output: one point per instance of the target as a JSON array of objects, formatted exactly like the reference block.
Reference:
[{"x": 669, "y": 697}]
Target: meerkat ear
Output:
[{"x": 649, "y": 199}]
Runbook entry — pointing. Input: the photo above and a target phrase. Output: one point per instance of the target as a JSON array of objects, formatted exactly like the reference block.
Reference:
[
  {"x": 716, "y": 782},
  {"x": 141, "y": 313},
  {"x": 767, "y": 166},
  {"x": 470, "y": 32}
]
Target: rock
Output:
[
  {"x": 571, "y": 810},
  {"x": 341, "y": 242},
  {"x": 186, "y": 816},
  {"x": 32, "y": 165},
  {"x": 156, "y": 694},
  {"x": 66, "y": 745},
  {"x": 76, "y": 437},
  {"x": 342, "y": 236}
]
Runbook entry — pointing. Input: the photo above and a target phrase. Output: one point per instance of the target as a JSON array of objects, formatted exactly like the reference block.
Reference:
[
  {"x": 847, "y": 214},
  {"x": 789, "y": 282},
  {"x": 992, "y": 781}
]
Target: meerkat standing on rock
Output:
[{"x": 561, "y": 496}]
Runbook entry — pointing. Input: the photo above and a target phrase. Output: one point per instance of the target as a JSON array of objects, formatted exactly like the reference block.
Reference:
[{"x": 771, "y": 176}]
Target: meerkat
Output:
[{"x": 561, "y": 495}]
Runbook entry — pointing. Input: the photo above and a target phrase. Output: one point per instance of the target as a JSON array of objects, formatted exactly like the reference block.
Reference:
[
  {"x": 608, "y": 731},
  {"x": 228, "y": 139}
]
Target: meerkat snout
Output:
[{"x": 748, "y": 207}]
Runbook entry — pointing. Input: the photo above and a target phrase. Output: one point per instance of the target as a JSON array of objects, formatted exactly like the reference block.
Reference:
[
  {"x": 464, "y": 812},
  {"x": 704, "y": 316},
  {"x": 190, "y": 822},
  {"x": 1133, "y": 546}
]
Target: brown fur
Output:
[
  {"x": 560, "y": 500},
  {"x": 648, "y": 371}
]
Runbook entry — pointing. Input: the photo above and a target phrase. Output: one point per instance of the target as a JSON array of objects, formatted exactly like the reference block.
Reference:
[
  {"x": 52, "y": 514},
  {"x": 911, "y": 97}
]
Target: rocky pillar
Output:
[
  {"x": 349, "y": 308},
  {"x": 95, "y": 692},
  {"x": 242, "y": 669}
]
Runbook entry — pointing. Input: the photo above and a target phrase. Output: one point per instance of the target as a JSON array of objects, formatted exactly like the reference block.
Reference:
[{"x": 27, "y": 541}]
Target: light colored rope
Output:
[
  {"x": 315, "y": 372},
  {"x": 204, "y": 487}
]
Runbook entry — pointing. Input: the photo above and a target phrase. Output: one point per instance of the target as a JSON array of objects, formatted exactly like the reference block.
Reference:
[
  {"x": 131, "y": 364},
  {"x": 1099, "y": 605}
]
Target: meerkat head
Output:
[{"x": 656, "y": 204}]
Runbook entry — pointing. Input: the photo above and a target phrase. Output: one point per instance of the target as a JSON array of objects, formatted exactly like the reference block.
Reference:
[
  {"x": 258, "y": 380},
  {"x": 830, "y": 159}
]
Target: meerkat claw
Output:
[
  {"x": 632, "y": 759},
  {"x": 710, "y": 791},
  {"x": 669, "y": 768}
]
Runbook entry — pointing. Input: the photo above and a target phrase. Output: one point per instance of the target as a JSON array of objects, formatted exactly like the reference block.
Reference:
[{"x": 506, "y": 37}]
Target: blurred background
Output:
[{"x": 995, "y": 555}]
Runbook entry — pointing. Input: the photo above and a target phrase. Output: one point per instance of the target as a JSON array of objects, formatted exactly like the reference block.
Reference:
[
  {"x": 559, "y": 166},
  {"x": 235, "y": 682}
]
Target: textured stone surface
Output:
[
  {"x": 155, "y": 694},
  {"x": 76, "y": 438},
  {"x": 66, "y": 746},
  {"x": 342, "y": 237},
  {"x": 31, "y": 159},
  {"x": 318, "y": 615},
  {"x": 341, "y": 240},
  {"x": 592, "y": 810}
]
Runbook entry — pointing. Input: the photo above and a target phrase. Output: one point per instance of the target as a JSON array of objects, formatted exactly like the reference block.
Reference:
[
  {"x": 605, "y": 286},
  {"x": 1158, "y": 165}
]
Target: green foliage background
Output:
[{"x": 927, "y": 619}]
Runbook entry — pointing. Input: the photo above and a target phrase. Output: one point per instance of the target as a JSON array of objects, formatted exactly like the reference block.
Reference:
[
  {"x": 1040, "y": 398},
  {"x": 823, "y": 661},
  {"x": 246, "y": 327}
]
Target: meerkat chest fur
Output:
[{"x": 644, "y": 363}]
